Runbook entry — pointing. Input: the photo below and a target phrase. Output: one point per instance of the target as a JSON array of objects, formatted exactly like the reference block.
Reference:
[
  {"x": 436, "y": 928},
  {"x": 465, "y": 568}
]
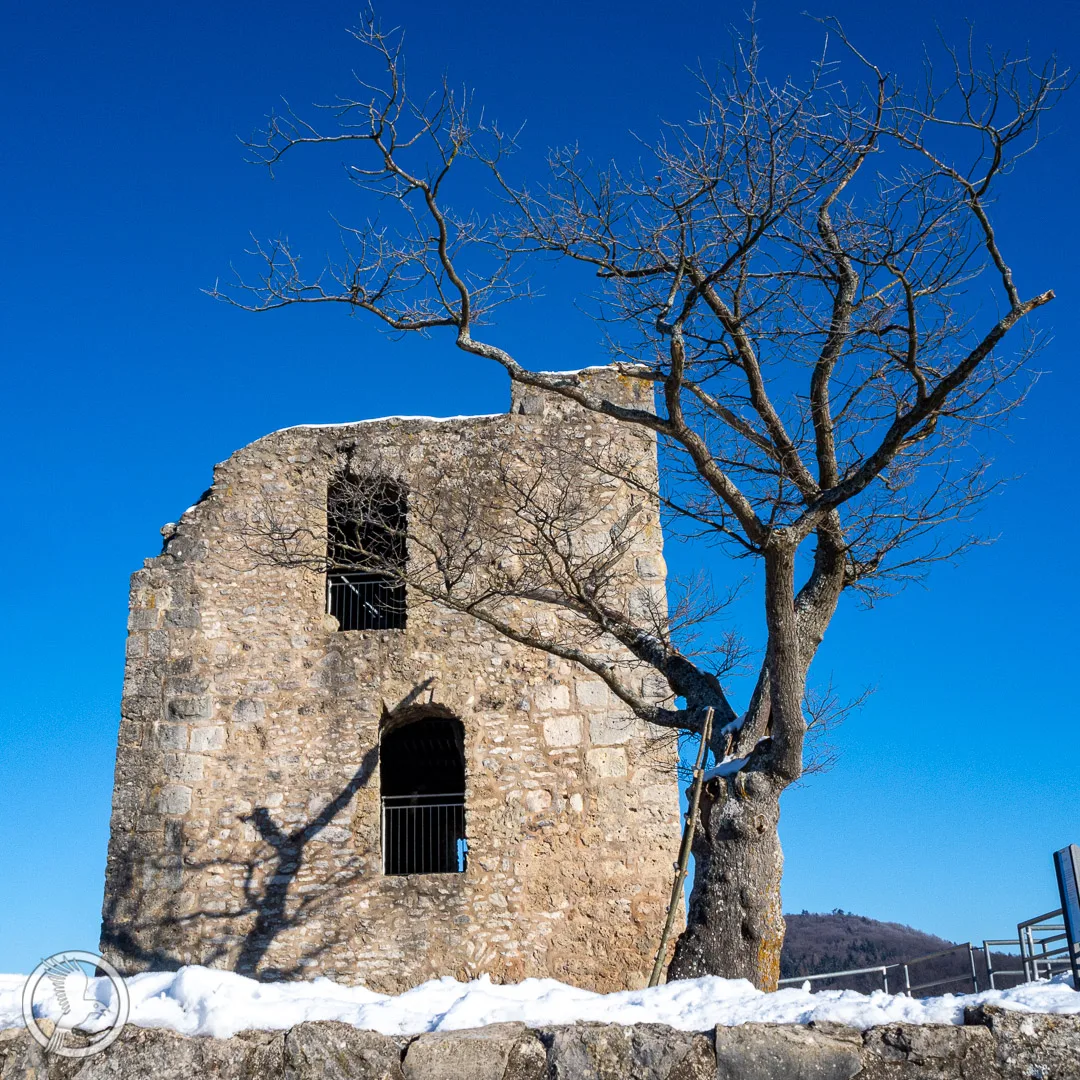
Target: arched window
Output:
[
  {"x": 422, "y": 776},
  {"x": 366, "y": 552}
]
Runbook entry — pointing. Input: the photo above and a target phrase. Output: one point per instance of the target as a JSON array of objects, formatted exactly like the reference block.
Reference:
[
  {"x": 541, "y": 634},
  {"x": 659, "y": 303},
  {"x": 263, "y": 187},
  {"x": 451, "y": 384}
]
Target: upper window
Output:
[{"x": 366, "y": 553}]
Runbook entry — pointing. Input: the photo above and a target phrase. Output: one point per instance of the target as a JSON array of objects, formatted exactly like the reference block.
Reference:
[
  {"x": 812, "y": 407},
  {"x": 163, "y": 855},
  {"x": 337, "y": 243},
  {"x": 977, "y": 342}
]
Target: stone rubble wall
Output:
[
  {"x": 994, "y": 1044},
  {"x": 246, "y": 812}
]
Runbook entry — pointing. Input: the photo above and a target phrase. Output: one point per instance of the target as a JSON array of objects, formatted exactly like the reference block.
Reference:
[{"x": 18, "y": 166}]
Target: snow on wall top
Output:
[{"x": 203, "y": 1001}]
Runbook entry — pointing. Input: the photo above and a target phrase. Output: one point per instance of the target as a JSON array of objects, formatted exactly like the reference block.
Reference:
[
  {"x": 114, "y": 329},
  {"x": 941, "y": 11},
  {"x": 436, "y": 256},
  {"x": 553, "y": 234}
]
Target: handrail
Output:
[
  {"x": 835, "y": 974},
  {"x": 1041, "y": 918},
  {"x": 901, "y": 967}
]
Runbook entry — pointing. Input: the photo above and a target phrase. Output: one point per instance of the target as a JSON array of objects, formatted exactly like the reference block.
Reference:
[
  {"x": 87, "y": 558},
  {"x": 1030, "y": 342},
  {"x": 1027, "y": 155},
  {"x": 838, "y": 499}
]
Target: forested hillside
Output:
[{"x": 840, "y": 941}]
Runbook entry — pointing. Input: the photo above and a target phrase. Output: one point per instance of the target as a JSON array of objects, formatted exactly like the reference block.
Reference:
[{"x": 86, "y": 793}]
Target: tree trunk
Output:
[{"x": 735, "y": 925}]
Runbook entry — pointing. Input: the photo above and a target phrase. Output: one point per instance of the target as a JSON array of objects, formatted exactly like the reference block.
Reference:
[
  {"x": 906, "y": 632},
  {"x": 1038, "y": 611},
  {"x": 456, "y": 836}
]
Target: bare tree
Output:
[{"x": 809, "y": 276}]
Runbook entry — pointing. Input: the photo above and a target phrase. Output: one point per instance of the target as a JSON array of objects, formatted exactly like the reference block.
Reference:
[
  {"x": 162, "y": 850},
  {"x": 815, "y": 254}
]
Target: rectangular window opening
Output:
[
  {"x": 422, "y": 781},
  {"x": 366, "y": 553}
]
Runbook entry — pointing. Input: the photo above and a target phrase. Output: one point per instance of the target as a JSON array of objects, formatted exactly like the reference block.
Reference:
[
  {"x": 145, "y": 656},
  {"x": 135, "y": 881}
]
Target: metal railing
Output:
[
  {"x": 365, "y": 601},
  {"x": 993, "y": 973},
  {"x": 883, "y": 971},
  {"x": 424, "y": 834},
  {"x": 1043, "y": 946},
  {"x": 902, "y": 977},
  {"x": 1041, "y": 957},
  {"x": 973, "y": 975}
]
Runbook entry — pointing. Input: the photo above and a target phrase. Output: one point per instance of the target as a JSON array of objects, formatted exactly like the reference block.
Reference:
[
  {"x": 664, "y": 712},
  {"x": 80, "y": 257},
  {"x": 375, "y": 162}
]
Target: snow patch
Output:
[
  {"x": 383, "y": 419},
  {"x": 577, "y": 371},
  {"x": 203, "y": 1001},
  {"x": 728, "y": 767}
]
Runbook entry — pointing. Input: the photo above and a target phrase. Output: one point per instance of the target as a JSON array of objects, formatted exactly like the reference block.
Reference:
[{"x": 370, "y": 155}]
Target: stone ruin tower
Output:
[{"x": 317, "y": 775}]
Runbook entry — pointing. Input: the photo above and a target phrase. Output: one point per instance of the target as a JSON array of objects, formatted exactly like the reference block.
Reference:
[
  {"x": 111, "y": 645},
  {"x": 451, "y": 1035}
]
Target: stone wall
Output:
[
  {"x": 992, "y": 1045},
  {"x": 246, "y": 812}
]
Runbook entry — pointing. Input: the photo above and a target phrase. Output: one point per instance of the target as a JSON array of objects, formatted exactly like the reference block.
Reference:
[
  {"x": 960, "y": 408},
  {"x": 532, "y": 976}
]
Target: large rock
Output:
[
  {"x": 497, "y": 1052},
  {"x": 328, "y": 1050},
  {"x": 153, "y": 1052},
  {"x": 640, "y": 1052},
  {"x": 929, "y": 1052},
  {"x": 787, "y": 1052},
  {"x": 1031, "y": 1046}
]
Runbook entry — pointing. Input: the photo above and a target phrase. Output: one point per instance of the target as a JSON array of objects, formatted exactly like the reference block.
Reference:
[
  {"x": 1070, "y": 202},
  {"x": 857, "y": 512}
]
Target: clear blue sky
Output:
[{"x": 124, "y": 193}]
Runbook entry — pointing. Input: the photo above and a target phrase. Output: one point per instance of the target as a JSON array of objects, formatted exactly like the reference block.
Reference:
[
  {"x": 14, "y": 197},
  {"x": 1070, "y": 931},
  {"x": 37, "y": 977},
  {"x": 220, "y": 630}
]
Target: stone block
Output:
[
  {"x": 183, "y": 618},
  {"x": 332, "y": 834},
  {"x": 551, "y": 697},
  {"x": 655, "y": 687},
  {"x": 658, "y": 795},
  {"x": 328, "y": 1050},
  {"x": 536, "y": 801},
  {"x": 191, "y": 708},
  {"x": 651, "y": 566},
  {"x": 181, "y": 683},
  {"x": 141, "y": 706},
  {"x": 646, "y": 603},
  {"x": 1030, "y": 1045},
  {"x": 495, "y": 1052},
  {"x": 207, "y": 738},
  {"x": 562, "y": 730},
  {"x": 143, "y": 619},
  {"x": 131, "y": 733},
  {"x": 930, "y": 1051},
  {"x": 174, "y": 799},
  {"x": 157, "y": 645},
  {"x": 605, "y": 763},
  {"x": 174, "y": 835},
  {"x": 157, "y": 1053},
  {"x": 528, "y": 402},
  {"x": 592, "y": 695},
  {"x": 788, "y": 1052},
  {"x": 171, "y": 736},
  {"x": 641, "y": 1052},
  {"x": 608, "y": 730},
  {"x": 142, "y": 678},
  {"x": 247, "y": 711},
  {"x": 184, "y": 767}
]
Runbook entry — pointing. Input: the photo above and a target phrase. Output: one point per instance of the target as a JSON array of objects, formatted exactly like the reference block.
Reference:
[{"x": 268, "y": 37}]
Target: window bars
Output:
[
  {"x": 365, "y": 601},
  {"x": 424, "y": 834},
  {"x": 366, "y": 548}
]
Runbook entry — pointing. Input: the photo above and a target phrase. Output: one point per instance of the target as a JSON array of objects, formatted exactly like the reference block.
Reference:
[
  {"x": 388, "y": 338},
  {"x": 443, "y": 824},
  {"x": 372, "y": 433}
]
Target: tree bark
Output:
[{"x": 735, "y": 924}]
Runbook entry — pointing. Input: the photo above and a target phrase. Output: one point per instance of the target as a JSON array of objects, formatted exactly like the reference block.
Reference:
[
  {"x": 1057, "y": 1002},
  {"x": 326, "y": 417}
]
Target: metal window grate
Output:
[
  {"x": 423, "y": 834},
  {"x": 365, "y": 601}
]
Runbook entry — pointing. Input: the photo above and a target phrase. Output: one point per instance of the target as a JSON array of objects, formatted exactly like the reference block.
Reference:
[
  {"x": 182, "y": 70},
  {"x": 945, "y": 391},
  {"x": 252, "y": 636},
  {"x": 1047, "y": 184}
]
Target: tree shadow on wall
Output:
[{"x": 269, "y": 901}]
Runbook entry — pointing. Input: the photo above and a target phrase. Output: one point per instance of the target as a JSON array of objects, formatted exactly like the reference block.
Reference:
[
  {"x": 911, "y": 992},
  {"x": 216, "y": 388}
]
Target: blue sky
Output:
[{"x": 125, "y": 193}]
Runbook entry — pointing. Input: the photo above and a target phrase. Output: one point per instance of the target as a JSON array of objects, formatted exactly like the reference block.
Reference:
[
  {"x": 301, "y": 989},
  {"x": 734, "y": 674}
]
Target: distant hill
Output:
[{"x": 817, "y": 943}]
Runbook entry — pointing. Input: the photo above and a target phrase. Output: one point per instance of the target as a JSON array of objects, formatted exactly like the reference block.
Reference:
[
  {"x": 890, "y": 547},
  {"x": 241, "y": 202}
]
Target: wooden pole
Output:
[{"x": 684, "y": 850}]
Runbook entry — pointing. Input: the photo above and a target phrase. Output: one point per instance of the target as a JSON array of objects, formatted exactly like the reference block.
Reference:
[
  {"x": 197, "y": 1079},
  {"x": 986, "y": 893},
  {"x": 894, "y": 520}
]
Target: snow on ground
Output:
[{"x": 202, "y": 1001}]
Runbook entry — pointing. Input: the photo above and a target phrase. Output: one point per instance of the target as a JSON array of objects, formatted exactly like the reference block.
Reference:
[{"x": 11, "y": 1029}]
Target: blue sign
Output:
[{"x": 1067, "y": 865}]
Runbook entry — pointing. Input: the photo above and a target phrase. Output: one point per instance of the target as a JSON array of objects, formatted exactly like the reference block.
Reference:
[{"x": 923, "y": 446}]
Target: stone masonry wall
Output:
[
  {"x": 993, "y": 1044},
  {"x": 246, "y": 812}
]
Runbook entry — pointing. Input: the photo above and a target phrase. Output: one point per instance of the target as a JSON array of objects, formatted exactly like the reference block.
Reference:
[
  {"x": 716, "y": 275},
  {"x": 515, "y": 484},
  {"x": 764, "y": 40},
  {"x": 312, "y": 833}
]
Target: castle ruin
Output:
[{"x": 319, "y": 772}]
